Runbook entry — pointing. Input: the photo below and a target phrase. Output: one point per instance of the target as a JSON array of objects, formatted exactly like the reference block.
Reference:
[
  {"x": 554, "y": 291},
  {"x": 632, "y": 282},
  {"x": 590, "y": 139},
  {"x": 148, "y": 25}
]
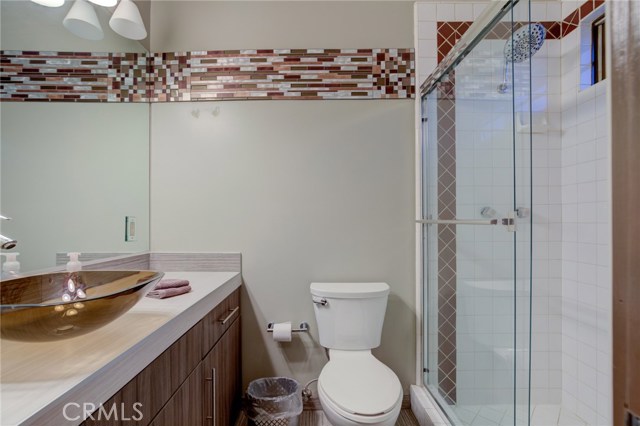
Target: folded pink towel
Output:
[
  {"x": 171, "y": 283},
  {"x": 169, "y": 292}
]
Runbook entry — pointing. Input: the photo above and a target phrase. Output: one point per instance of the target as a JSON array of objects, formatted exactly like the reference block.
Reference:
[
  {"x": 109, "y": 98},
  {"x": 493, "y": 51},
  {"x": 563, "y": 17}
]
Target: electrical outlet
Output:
[{"x": 130, "y": 228}]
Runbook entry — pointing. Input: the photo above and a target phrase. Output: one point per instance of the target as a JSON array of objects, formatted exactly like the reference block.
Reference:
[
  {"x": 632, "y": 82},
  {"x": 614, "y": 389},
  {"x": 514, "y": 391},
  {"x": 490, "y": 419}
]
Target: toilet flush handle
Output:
[{"x": 319, "y": 301}]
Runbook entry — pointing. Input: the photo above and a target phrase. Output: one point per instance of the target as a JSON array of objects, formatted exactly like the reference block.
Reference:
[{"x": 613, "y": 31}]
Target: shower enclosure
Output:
[{"x": 476, "y": 220}]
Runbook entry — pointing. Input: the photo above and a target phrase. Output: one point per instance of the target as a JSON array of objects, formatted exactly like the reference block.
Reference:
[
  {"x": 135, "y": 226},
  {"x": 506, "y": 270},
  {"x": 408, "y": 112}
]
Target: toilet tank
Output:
[{"x": 352, "y": 317}]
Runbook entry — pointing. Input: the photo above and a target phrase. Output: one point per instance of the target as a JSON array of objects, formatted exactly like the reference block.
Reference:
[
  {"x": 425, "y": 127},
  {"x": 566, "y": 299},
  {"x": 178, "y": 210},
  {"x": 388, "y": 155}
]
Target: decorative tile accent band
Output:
[
  {"x": 54, "y": 76},
  {"x": 450, "y": 31},
  {"x": 207, "y": 75}
]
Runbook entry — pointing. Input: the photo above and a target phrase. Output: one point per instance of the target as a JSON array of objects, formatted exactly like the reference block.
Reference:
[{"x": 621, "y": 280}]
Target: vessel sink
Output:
[{"x": 61, "y": 305}]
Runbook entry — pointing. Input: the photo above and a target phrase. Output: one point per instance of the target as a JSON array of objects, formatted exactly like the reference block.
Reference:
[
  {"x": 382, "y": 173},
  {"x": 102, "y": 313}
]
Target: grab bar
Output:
[{"x": 457, "y": 221}]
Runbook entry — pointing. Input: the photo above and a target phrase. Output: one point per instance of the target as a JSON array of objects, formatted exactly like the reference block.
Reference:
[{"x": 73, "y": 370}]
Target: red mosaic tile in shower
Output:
[
  {"x": 570, "y": 23},
  {"x": 448, "y": 35},
  {"x": 554, "y": 30},
  {"x": 448, "y": 32},
  {"x": 447, "y": 269},
  {"x": 586, "y": 8}
]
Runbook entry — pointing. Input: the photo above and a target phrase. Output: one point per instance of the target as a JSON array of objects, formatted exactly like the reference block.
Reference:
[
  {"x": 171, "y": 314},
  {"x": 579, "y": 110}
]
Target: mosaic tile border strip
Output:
[
  {"x": 54, "y": 76},
  {"x": 303, "y": 74},
  {"x": 207, "y": 75},
  {"x": 127, "y": 77},
  {"x": 448, "y": 32}
]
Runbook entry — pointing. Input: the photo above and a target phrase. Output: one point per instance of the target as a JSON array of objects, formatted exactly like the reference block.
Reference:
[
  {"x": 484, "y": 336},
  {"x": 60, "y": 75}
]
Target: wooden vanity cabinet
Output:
[
  {"x": 221, "y": 369},
  {"x": 195, "y": 382}
]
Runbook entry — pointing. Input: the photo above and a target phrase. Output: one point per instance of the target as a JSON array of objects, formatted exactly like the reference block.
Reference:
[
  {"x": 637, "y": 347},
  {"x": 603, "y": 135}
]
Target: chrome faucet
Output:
[{"x": 6, "y": 243}]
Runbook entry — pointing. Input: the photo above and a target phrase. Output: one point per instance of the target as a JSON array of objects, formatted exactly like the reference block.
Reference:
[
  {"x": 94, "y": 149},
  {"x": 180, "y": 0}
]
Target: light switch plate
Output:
[{"x": 130, "y": 228}]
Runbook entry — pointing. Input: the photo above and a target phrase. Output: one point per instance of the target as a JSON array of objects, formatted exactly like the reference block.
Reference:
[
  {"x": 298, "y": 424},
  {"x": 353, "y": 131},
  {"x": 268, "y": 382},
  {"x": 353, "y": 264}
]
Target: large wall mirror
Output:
[{"x": 71, "y": 172}]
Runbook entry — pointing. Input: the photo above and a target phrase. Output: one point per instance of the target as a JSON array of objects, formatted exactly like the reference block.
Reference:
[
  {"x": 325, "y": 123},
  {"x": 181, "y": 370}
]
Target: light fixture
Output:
[
  {"x": 105, "y": 3},
  {"x": 127, "y": 22},
  {"x": 83, "y": 21},
  {"x": 49, "y": 3}
]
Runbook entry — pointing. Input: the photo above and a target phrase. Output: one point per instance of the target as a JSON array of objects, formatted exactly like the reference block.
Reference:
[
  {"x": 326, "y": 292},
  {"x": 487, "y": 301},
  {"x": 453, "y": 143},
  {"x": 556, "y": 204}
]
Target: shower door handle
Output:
[{"x": 457, "y": 221}]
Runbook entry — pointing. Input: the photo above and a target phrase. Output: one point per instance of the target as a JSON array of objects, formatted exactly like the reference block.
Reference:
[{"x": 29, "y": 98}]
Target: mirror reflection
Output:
[{"x": 74, "y": 175}]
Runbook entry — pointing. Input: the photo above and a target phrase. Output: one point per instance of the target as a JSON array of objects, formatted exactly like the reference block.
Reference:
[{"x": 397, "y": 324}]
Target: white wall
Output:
[
  {"x": 70, "y": 175},
  {"x": 280, "y": 24},
  {"x": 306, "y": 191}
]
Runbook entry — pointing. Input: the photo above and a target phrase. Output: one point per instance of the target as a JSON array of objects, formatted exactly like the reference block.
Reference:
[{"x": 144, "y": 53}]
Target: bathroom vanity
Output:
[
  {"x": 196, "y": 381},
  {"x": 165, "y": 362}
]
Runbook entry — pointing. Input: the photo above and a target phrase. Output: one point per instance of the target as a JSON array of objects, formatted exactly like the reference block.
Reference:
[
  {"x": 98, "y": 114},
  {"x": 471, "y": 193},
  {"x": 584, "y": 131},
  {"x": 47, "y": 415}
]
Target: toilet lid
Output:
[{"x": 360, "y": 384}]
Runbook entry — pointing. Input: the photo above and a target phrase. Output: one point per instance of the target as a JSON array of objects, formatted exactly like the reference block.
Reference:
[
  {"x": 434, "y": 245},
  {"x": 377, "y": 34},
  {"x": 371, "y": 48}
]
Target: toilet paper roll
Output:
[{"x": 282, "y": 332}]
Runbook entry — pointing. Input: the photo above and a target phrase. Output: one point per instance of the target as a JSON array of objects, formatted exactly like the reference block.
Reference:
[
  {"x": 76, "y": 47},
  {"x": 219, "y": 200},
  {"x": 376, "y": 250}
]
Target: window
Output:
[{"x": 598, "y": 50}]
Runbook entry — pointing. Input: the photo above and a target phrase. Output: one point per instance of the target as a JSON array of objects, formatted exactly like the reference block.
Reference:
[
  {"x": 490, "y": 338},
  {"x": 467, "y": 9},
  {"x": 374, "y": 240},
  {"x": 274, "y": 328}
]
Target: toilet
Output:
[{"x": 354, "y": 387}]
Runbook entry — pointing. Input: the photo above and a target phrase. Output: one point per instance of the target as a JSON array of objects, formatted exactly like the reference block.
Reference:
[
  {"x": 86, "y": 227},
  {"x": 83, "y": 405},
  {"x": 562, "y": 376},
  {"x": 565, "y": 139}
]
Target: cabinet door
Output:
[
  {"x": 222, "y": 381},
  {"x": 119, "y": 410},
  {"x": 160, "y": 379},
  {"x": 184, "y": 408}
]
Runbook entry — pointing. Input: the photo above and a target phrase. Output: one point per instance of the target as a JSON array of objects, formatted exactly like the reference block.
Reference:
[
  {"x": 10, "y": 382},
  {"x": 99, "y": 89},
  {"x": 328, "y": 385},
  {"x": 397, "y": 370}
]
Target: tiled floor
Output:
[
  {"x": 317, "y": 418},
  {"x": 502, "y": 415}
]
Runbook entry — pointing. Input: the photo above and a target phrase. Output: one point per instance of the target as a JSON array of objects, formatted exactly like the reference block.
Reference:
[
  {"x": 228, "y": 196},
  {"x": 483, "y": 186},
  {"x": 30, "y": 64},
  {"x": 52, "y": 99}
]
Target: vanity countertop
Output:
[{"x": 38, "y": 379}]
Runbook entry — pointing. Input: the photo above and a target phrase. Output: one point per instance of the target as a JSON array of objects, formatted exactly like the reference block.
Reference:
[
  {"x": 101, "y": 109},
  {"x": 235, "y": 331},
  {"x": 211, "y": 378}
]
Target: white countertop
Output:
[{"x": 38, "y": 379}]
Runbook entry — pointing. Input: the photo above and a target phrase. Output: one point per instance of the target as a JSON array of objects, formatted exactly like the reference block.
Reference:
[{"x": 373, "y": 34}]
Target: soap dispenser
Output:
[
  {"x": 74, "y": 264},
  {"x": 11, "y": 266},
  {"x": 73, "y": 288}
]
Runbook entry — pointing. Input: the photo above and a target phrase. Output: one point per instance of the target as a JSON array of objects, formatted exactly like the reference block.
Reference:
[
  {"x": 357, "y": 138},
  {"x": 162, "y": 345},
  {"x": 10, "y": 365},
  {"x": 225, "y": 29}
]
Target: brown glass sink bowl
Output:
[{"x": 32, "y": 308}]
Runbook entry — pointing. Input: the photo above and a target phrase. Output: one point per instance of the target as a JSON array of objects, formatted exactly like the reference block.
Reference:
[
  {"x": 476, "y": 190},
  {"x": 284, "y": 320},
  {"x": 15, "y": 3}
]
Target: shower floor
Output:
[{"x": 502, "y": 415}]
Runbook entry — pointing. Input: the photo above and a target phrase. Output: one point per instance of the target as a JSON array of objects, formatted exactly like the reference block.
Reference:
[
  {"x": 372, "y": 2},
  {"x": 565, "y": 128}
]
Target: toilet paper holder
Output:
[{"x": 303, "y": 327}]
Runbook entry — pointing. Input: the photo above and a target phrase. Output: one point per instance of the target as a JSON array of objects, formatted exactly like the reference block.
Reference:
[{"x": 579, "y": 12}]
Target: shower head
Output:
[{"x": 523, "y": 44}]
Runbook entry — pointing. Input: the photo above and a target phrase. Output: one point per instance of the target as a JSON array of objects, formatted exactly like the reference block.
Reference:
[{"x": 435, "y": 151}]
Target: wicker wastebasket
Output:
[{"x": 274, "y": 401}]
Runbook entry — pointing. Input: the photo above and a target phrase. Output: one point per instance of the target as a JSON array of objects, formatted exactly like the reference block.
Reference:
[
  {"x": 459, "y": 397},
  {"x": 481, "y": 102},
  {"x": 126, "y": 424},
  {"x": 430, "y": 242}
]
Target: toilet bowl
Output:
[
  {"x": 357, "y": 389},
  {"x": 354, "y": 387}
]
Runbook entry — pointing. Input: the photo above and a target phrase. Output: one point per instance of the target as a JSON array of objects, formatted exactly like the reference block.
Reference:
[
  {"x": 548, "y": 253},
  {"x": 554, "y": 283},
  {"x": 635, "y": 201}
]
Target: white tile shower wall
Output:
[
  {"x": 426, "y": 20},
  {"x": 586, "y": 243},
  {"x": 546, "y": 314},
  {"x": 485, "y": 255}
]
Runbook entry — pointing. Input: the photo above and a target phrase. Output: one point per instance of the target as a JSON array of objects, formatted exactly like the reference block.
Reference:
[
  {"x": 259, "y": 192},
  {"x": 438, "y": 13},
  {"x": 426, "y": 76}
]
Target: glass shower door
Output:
[{"x": 476, "y": 169}]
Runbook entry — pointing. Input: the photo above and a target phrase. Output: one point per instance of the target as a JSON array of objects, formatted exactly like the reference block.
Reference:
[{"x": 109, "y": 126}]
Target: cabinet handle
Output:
[
  {"x": 213, "y": 375},
  {"x": 231, "y": 314},
  {"x": 213, "y": 395}
]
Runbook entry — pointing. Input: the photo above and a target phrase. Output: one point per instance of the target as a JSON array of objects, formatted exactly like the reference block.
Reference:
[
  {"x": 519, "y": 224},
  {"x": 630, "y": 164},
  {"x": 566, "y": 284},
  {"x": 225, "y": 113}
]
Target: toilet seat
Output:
[{"x": 360, "y": 387}]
